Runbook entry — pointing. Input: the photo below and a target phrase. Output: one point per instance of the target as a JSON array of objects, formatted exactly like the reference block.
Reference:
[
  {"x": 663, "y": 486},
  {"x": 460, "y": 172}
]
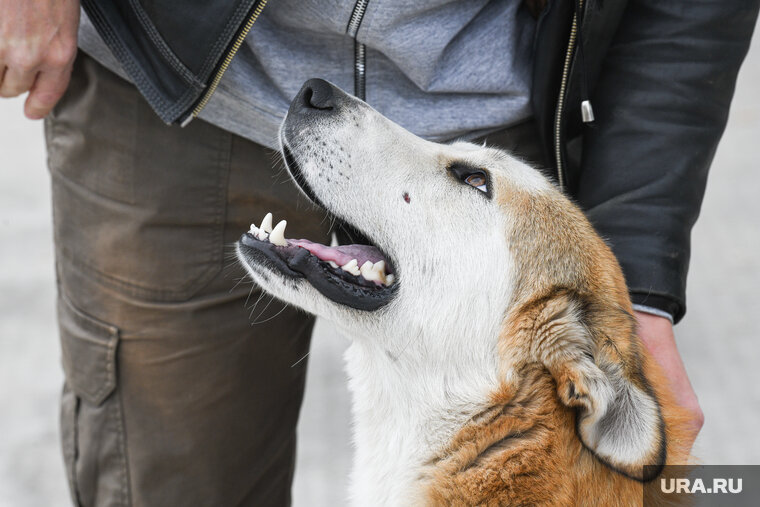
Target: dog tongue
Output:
[{"x": 343, "y": 254}]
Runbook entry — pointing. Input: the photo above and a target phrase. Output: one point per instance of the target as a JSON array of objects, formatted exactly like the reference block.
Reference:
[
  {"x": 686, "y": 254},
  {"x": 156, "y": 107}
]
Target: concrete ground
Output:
[{"x": 719, "y": 338}]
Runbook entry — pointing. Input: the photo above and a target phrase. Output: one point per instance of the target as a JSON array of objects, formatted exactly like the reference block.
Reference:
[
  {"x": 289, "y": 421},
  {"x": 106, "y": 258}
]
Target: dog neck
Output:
[
  {"x": 426, "y": 436},
  {"x": 408, "y": 404}
]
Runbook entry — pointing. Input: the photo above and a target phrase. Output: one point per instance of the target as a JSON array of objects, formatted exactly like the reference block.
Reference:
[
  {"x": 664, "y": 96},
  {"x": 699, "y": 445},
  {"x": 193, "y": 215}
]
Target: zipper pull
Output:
[{"x": 587, "y": 112}]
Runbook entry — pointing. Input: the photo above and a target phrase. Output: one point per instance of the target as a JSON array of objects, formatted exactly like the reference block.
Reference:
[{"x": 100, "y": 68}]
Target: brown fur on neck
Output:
[{"x": 524, "y": 449}]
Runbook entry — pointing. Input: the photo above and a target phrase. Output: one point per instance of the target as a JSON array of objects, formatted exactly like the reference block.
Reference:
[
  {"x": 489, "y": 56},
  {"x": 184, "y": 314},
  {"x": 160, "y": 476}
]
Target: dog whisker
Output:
[
  {"x": 269, "y": 318},
  {"x": 395, "y": 357},
  {"x": 240, "y": 280},
  {"x": 253, "y": 308},
  {"x": 265, "y": 308},
  {"x": 304, "y": 357}
]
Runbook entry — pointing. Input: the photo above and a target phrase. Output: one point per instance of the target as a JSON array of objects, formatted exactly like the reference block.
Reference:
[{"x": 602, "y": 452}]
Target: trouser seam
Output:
[
  {"x": 75, "y": 450},
  {"x": 220, "y": 212},
  {"x": 121, "y": 432}
]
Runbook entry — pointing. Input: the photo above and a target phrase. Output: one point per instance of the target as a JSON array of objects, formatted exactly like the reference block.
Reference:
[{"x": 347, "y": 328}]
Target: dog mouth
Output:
[{"x": 360, "y": 276}]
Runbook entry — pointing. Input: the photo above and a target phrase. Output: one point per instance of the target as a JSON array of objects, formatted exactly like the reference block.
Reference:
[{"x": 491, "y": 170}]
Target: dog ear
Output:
[{"x": 596, "y": 360}]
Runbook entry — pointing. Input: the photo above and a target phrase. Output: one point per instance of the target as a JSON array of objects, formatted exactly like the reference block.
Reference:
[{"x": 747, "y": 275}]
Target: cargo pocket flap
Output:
[{"x": 88, "y": 348}]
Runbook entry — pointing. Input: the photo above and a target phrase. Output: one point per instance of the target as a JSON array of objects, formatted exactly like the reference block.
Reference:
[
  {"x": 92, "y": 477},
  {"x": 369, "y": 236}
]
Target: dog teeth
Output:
[
  {"x": 265, "y": 228},
  {"x": 352, "y": 267},
  {"x": 366, "y": 270},
  {"x": 266, "y": 223},
  {"x": 374, "y": 272},
  {"x": 379, "y": 268},
  {"x": 277, "y": 237},
  {"x": 369, "y": 271}
]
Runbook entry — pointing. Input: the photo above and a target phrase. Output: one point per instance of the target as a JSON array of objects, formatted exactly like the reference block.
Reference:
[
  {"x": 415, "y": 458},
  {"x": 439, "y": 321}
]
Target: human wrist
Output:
[
  {"x": 650, "y": 310},
  {"x": 656, "y": 333}
]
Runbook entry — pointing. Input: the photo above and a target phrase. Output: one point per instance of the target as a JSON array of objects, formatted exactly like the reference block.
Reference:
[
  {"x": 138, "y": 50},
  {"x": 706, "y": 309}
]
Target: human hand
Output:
[
  {"x": 38, "y": 44},
  {"x": 657, "y": 335}
]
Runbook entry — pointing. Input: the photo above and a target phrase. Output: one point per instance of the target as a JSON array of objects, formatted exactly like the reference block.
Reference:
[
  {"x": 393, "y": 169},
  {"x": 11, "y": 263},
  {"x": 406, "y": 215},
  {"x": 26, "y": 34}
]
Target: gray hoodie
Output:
[{"x": 442, "y": 69}]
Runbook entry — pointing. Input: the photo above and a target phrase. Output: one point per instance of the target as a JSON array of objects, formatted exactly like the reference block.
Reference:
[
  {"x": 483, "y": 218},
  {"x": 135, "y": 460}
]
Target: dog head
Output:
[{"x": 470, "y": 251}]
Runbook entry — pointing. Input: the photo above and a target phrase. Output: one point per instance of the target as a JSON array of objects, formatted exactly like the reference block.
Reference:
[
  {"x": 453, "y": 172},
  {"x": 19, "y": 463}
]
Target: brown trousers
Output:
[{"x": 172, "y": 396}]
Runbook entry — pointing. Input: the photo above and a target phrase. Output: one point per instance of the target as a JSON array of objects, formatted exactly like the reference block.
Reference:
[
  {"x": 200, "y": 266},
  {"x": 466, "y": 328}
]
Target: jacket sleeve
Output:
[{"x": 661, "y": 105}]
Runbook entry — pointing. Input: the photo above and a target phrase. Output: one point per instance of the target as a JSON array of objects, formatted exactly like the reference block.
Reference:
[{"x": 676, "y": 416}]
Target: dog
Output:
[{"x": 494, "y": 357}]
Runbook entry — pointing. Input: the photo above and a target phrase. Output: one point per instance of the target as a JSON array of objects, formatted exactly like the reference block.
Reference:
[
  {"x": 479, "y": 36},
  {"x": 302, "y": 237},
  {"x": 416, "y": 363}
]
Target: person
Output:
[{"x": 171, "y": 397}]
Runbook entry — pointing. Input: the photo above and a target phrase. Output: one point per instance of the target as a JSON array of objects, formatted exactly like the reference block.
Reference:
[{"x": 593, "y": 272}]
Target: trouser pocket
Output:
[
  {"x": 137, "y": 204},
  {"x": 92, "y": 429}
]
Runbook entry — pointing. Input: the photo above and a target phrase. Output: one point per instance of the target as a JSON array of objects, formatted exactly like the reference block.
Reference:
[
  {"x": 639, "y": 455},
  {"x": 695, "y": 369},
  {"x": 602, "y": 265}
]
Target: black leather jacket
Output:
[{"x": 659, "y": 75}]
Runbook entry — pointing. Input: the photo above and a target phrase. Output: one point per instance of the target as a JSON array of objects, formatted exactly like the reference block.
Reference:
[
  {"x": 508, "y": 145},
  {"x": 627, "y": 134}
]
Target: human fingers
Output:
[
  {"x": 48, "y": 88},
  {"x": 17, "y": 80}
]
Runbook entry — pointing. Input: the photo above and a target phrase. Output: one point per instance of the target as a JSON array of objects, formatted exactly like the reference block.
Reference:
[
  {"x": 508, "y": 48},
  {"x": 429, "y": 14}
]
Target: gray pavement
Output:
[{"x": 719, "y": 338}]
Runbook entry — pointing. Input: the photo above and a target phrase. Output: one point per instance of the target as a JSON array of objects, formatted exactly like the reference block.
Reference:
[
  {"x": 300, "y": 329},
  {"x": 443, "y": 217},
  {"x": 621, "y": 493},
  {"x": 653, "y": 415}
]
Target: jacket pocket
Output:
[{"x": 92, "y": 429}]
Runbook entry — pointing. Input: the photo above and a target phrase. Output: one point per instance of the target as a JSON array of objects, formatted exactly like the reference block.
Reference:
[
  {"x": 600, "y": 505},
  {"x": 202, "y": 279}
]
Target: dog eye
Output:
[
  {"x": 477, "y": 180},
  {"x": 471, "y": 175}
]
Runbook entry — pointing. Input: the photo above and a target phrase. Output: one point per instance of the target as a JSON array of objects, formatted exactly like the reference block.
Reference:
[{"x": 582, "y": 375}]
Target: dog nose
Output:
[
  {"x": 317, "y": 100},
  {"x": 317, "y": 94}
]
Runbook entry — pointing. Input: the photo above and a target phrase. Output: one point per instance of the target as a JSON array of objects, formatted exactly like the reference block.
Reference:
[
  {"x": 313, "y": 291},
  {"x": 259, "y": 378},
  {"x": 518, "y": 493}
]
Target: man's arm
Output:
[
  {"x": 661, "y": 105},
  {"x": 38, "y": 44}
]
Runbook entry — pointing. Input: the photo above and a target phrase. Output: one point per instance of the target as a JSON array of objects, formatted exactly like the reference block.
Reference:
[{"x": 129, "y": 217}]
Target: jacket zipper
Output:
[
  {"x": 561, "y": 99},
  {"x": 360, "y": 54},
  {"x": 254, "y": 15}
]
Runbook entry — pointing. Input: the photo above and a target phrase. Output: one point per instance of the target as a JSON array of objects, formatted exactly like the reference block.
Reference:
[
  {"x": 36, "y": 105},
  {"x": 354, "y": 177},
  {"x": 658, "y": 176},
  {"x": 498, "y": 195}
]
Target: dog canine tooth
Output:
[
  {"x": 277, "y": 237},
  {"x": 266, "y": 223},
  {"x": 333, "y": 264},
  {"x": 352, "y": 267}
]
